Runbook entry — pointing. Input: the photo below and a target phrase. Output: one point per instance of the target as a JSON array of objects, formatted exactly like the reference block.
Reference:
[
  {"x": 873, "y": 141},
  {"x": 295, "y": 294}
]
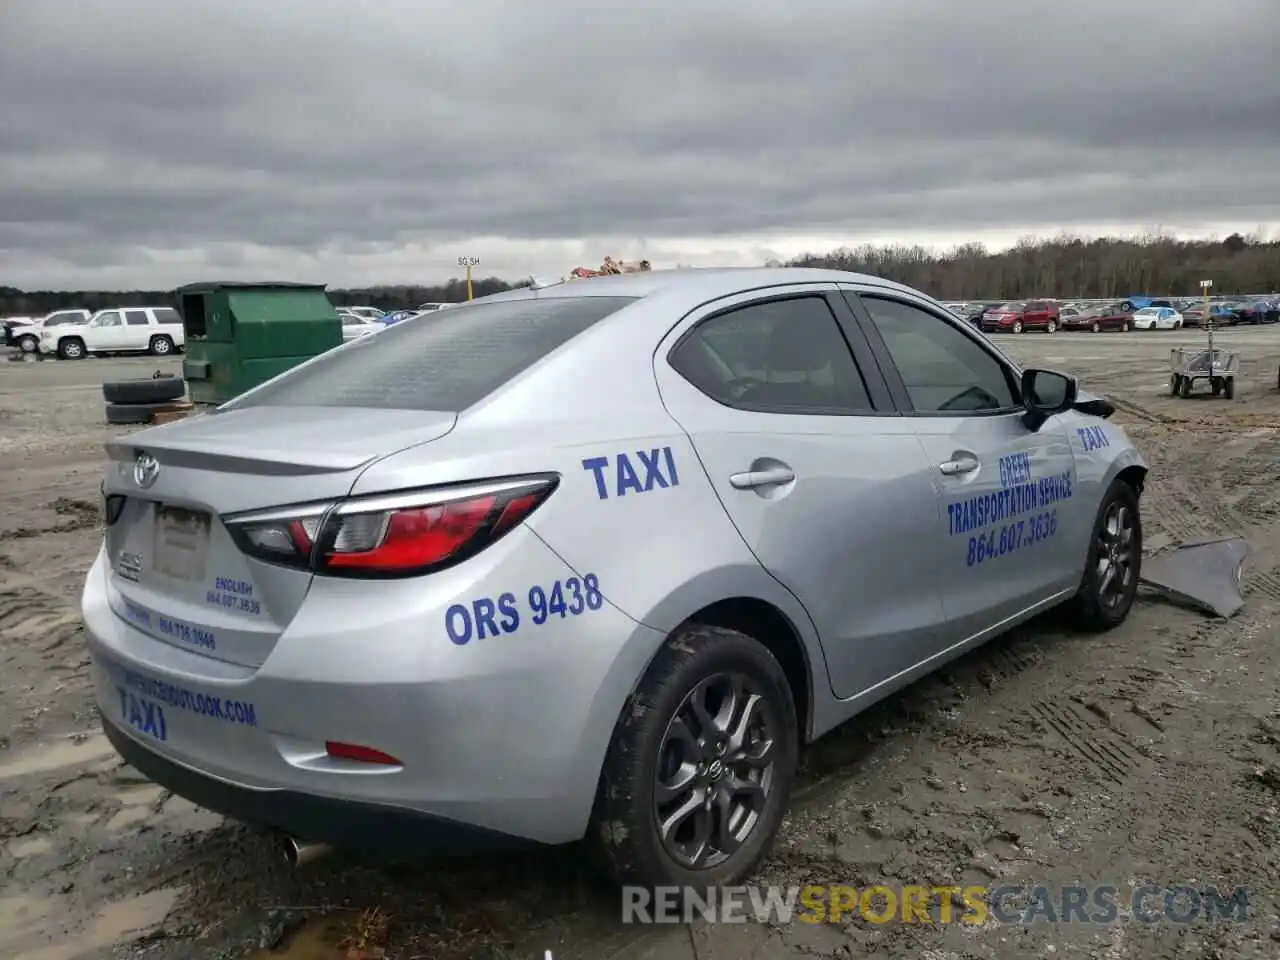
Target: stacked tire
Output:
[{"x": 136, "y": 402}]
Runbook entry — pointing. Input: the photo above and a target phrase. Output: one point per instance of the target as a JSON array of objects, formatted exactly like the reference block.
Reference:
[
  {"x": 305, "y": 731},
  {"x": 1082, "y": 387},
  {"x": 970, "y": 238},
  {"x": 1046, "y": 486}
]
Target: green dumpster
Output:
[{"x": 242, "y": 334}]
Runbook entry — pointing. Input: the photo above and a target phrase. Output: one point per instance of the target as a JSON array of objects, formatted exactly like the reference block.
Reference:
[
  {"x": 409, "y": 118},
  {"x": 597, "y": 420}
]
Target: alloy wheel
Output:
[
  {"x": 716, "y": 770},
  {"x": 1115, "y": 555}
]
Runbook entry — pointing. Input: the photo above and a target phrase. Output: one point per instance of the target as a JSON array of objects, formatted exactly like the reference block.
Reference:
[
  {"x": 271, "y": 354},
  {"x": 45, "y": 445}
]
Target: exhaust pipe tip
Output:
[{"x": 298, "y": 853}]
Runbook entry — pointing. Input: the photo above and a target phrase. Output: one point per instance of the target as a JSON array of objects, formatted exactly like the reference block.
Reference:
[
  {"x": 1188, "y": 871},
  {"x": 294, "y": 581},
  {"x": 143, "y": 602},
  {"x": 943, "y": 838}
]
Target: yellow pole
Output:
[{"x": 467, "y": 263}]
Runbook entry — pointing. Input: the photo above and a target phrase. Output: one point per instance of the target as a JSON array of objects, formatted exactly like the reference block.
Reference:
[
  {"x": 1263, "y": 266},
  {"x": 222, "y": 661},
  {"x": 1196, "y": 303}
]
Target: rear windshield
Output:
[{"x": 446, "y": 360}]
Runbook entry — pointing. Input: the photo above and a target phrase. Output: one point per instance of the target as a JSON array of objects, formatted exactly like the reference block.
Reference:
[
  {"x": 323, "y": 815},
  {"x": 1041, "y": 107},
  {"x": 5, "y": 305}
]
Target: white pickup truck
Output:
[
  {"x": 154, "y": 330},
  {"x": 26, "y": 337}
]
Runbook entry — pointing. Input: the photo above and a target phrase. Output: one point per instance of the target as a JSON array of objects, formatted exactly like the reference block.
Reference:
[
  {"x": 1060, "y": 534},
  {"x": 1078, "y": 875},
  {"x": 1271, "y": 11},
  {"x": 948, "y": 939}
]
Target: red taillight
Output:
[
  {"x": 392, "y": 535},
  {"x": 353, "y": 751}
]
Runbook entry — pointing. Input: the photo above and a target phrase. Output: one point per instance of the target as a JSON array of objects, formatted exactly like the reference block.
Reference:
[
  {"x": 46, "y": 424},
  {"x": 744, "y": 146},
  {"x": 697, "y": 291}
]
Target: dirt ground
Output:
[{"x": 1150, "y": 754}]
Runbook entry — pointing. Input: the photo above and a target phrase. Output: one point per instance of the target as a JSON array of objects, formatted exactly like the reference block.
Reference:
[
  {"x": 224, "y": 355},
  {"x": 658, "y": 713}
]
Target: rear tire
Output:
[
  {"x": 1101, "y": 604},
  {"x": 1124, "y": 326},
  {"x": 161, "y": 346},
  {"x": 653, "y": 742},
  {"x": 1017, "y": 326},
  {"x": 1175, "y": 384},
  {"x": 1051, "y": 328},
  {"x": 1229, "y": 388},
  {"x": 1184, "y": 389},
  {"x": 1096, "y": 328}
]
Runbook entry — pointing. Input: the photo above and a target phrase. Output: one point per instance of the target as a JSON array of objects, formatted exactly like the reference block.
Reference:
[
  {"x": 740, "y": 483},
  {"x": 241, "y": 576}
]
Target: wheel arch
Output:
[{"x": 769, "y": 626}]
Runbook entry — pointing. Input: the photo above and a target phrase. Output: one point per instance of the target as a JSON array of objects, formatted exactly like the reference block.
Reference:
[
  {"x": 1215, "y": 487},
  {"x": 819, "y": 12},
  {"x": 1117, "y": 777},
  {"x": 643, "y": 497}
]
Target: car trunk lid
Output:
[{"x": 177, "y": 573}]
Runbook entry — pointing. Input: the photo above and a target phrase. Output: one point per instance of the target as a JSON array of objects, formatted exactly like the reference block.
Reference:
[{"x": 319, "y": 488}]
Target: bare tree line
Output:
[{"x": 1065, "y": 267}]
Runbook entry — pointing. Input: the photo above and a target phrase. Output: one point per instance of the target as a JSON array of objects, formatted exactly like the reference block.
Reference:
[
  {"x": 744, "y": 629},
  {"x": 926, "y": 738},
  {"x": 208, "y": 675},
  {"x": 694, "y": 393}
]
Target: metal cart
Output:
[{"x": 1189, "y": 364}]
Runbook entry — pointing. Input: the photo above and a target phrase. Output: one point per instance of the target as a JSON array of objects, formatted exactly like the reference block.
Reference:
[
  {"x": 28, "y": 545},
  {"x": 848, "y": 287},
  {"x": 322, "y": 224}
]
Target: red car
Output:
[
  {"x": 1021, "y": 316},
  {"x": 1109, "y": 316}
]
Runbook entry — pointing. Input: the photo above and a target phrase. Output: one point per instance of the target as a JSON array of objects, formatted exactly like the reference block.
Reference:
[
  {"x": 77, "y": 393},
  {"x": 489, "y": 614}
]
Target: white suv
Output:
[{"x": 156, "y": 330}]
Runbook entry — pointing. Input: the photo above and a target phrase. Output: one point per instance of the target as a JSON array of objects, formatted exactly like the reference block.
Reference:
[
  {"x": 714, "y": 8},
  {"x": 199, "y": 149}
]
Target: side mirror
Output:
[{"x": 1046, "y": 394}]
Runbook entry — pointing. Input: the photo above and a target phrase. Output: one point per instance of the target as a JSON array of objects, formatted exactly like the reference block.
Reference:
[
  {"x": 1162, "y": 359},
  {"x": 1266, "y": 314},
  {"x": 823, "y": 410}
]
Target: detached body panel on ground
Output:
[{"x": 482, "y": 569}]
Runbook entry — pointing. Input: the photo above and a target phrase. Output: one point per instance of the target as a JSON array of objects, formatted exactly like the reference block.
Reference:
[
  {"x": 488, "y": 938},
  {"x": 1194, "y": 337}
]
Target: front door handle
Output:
[
  {"x": 961, "y": 464},
  {"x": 762, "y": 478}
]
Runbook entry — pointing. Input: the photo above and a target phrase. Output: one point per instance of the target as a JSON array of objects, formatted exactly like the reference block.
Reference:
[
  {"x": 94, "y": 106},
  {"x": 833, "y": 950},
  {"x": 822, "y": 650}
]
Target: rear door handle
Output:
[
  {"x": 960, "y": 465},
  {"x": 762, "y": 478}
]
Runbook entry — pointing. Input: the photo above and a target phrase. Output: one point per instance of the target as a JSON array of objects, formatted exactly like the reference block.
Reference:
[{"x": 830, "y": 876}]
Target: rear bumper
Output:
[
  {"x": 505, "y": 734},
  {"x": 351, "y": 825}
]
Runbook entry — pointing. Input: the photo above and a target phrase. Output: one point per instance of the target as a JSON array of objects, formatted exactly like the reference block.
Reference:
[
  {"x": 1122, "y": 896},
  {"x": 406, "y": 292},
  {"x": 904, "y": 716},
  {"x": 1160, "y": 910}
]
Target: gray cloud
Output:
[{"x": 296, "y": 132}]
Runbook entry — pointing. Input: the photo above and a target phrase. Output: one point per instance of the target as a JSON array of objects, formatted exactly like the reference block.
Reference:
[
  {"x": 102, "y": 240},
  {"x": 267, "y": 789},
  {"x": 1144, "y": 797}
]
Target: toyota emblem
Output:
[{"x": 145, "y": 470}]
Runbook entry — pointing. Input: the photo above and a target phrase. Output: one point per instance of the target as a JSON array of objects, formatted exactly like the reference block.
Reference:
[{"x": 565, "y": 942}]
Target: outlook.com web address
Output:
[{"x": 935, "y": 904}]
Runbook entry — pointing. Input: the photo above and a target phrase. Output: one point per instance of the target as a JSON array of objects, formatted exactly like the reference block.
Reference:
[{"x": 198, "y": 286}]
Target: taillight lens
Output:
[{"x": 391, "y": 535}]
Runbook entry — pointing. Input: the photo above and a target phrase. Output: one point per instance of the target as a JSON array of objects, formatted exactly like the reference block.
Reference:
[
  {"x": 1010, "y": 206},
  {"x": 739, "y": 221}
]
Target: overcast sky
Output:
[{"x": 148, "y": 143}]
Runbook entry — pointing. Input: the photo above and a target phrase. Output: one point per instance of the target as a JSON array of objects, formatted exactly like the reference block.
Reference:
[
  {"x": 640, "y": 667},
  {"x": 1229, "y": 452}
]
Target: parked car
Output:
[
  {"x": 1135, "y": 303},
  {"x": 1194, "y": 316},
  {"x": 371, "y": 313},
  {"x": 1157, "y": 318},
  {"x": 1253, "y": 311},
  {"x": 1020, "y": 316},
  {"x": 27, "y": 338},
  {"x": 974, "y": 312},
  {"x": 1103, "y": 316},
  {"x": 154, "y": 330},
  {"x": 264, "y": 567},
  {"x": 354, "y": 326},
  {"x": 431, "y": 307}
]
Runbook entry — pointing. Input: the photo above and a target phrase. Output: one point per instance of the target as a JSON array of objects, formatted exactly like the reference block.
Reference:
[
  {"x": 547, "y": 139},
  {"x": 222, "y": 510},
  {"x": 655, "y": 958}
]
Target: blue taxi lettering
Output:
[
  {"x": 638, "y": 472},
  {"x": 160, "y": 694},
  {"x": 487, "y": 617},
  {"x": 139, "y": 615},
  {"x": 143, "y": 715},
  {"x": 185, "y": 632},
  {"x": 1015, "y": 469},
  {"x": 1093, "y": 438},
  {"x": 232, "y": 594},
  {"x": 1019, "y": 515}
]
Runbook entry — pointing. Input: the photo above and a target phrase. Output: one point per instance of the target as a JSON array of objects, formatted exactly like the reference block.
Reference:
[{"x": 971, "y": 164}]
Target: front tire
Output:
[
  {"x": 1114, "y": 562},
  {"x": 1096, "y": 327},
  {"x": 71, "y": 349},
  {"x": 1017, "y": 326},
  {"x": 28, "y": 344},
  {"x": 698, "y": 774},
  {"x": 1051, "y": 328}
]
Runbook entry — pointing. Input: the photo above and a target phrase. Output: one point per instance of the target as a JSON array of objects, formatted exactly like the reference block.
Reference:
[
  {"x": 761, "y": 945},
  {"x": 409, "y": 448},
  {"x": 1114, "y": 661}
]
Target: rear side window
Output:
[
  {"x": 136, "y": 318},
  {"x": 167, "y": 315},
  {"x": 779, "y": 356},
  {"x": 444, "y": 361}
]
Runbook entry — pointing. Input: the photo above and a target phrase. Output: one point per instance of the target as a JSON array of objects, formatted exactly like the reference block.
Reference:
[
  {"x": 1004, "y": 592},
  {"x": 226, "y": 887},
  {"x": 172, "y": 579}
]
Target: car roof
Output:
[{"x": 696, "y": 283}]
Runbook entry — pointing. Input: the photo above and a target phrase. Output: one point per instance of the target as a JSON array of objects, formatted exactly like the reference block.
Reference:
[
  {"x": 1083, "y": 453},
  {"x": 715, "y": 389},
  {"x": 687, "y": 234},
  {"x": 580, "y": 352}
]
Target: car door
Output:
[
  {"x": 1010, "y": 532},
  {"x": 105, "y": 332},
  {"x": 828, "y": 487},
  {"x": 137, "y": 330}
]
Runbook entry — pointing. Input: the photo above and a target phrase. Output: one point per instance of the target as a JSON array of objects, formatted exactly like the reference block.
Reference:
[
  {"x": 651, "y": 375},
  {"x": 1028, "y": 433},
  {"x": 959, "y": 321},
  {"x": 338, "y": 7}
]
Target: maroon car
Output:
[
  {"x": 1023, "y": 315},
  {"x": 1106, "y": 316}
]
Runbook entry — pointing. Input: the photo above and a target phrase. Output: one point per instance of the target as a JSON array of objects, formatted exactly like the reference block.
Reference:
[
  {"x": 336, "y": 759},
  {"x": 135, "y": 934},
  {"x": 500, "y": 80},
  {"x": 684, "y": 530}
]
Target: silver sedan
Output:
[{"x": 590, "y": 559}]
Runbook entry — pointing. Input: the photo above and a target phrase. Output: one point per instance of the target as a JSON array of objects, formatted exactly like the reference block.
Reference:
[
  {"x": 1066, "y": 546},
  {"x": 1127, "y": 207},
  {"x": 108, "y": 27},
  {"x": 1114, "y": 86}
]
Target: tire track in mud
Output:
[{"x": 1105, "y": 751}]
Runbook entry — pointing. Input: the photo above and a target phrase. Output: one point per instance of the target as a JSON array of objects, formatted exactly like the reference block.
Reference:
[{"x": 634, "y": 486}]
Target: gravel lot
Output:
[{"x": 1146, "y": 755}]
